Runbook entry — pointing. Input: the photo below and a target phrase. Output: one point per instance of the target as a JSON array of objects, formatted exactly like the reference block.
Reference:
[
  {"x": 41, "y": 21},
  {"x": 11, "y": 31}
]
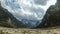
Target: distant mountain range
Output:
[
  {"x": 8, "y": 20},
  {"x": 51, "y": 18}
]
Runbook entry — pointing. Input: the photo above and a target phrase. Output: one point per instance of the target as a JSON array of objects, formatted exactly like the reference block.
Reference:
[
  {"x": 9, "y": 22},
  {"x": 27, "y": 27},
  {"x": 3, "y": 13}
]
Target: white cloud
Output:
[{"x": 41, "y": 2}]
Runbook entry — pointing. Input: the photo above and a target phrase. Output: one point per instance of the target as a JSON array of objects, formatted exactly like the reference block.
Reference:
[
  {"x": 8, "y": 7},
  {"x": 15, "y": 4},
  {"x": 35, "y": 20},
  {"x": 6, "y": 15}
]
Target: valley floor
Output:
[{"x": 54, "y": 30}]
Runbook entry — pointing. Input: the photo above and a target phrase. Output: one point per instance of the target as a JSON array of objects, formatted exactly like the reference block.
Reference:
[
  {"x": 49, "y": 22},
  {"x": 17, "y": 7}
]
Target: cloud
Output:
[{"x": 41, "y": 2}]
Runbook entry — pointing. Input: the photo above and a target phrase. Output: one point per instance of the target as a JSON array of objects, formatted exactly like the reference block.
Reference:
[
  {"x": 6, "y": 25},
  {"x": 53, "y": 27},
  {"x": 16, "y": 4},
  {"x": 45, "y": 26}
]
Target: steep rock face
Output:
[
  {"x": 58, "y": 3},
  {"x": 7, "y": 19},
  {"x": 49, "y": 19},
  {"x": 3, "y": 17},
  {"x": 52, "y": 16}
]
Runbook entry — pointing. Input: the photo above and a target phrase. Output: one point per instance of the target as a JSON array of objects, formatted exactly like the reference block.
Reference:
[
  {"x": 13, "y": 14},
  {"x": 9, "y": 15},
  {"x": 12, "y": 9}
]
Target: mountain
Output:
[
  {"x": 7, "y": 19},
  {"x": 51, "y": 18}
]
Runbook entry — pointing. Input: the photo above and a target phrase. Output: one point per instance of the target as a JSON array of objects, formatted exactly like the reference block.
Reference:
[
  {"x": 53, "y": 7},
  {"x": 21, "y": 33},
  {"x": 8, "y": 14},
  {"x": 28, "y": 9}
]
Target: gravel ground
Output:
[{"x": 4, "y": 30}]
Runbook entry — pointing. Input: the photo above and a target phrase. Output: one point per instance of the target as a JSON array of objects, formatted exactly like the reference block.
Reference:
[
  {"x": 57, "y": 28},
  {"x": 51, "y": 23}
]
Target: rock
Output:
[
  {"x": 58, "y": 3},
  {"x": 7, "y": 19},
  {"x": 52, "y": 16}
]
